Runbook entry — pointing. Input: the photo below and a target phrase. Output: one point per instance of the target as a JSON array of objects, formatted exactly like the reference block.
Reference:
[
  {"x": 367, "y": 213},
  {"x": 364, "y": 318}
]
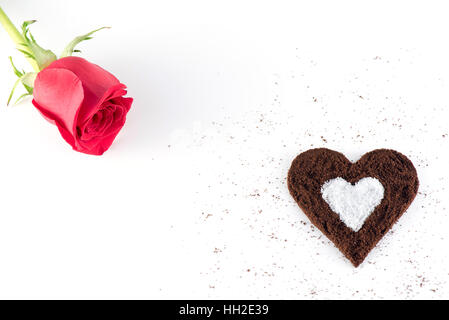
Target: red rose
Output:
[{"x": 84, "y": 101}]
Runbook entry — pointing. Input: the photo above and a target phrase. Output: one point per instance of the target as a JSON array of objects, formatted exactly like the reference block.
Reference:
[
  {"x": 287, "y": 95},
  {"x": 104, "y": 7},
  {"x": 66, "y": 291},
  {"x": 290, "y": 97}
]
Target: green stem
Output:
[{"x": 16, "y": 37}]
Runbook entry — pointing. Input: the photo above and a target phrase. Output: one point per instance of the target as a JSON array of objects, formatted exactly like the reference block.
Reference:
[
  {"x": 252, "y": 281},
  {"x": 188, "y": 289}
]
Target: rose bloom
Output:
[{"x": 84, "y": 101}]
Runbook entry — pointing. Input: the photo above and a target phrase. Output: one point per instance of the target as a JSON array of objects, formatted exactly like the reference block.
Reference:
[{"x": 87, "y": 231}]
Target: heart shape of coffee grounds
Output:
[{"x": 313, "y": 168}]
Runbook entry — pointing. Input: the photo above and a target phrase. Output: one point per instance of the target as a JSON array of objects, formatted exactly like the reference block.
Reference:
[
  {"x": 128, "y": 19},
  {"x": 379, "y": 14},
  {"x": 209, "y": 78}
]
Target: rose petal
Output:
[
  {"x": 99, "y": 85},
  {"x": 125, "y": 102},
  {"x": 58, "y": 94}
]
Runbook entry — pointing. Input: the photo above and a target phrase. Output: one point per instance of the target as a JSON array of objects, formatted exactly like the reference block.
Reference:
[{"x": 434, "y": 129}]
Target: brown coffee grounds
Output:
[{"x": 311, "y": 169}]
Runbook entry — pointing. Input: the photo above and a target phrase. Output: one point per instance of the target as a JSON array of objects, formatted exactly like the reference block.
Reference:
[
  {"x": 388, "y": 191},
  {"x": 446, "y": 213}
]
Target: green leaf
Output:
[
  {"x": 16, "y": 71},
  {"x": 40, "y": 55},
  {"x": 12, "y": 91},
  {"x": 25, "y": 24},
  {"x": 27, "y": 54},
  {"x": 70, "y": 49},
  {"x": 29, "y": 89},
  {"x": 22, "y": 96},
  {"x": 27, "y": 80}
]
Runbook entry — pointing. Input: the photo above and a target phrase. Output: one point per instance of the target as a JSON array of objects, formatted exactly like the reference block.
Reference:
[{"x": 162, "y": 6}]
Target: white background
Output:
[{"x": 191, "y": 200}]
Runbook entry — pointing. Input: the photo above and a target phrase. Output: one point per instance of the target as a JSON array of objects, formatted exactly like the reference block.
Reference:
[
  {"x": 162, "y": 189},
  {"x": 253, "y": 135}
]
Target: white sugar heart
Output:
[{"x": 353, "y": 203}]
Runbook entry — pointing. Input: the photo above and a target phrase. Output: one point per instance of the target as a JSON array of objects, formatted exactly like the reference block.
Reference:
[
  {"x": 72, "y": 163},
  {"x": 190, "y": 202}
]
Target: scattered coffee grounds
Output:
[{"x": 311, "y": 170}]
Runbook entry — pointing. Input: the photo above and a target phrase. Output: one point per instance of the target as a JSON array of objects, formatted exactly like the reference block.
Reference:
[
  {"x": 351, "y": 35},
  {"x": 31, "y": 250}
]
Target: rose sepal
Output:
[
  {"x": 26, "y": 78},
  {"x": 70, "y": 48}
]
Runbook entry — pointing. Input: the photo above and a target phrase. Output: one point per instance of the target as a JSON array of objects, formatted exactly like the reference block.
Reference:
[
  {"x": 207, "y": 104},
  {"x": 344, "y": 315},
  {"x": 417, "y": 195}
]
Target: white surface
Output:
[
  {"x": 191, "y": 200},
  {"x": 353, "y": 203}
]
